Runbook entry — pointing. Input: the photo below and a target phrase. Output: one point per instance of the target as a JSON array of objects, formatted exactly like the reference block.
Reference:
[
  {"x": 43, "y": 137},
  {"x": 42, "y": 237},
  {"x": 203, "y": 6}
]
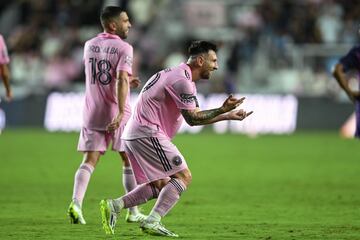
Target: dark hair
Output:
[
  {"x": 198, "y": 47},
  {"x": 108, "y": 13}
]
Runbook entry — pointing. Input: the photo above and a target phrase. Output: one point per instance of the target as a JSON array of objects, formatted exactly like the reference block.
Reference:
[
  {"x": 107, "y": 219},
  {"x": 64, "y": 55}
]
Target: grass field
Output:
[{"x": 304, "y": 186}]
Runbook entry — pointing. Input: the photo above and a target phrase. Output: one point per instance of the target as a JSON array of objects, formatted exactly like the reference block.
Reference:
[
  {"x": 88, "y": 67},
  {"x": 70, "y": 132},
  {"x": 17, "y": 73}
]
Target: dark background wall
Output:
[
  {"x": 313, "y": 112},
  {"x": 322, "y": 113}
]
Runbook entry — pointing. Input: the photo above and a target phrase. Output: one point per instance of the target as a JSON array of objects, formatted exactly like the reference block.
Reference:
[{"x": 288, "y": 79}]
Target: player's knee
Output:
[
  {"x": 124, "y": 159},
  {"x": 159, "y": 184},
  {"x": 186, "y": 177},
  {"x": 90, "y": 161},
  {"x": 91, "y": 158}
]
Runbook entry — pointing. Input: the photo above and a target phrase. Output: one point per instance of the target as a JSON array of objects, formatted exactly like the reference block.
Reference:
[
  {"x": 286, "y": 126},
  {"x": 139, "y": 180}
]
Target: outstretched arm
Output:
[
  {"x": 198, "y": 117},
  {"x": 5, "y": 75},
  {"x": 340, "y": 77}
]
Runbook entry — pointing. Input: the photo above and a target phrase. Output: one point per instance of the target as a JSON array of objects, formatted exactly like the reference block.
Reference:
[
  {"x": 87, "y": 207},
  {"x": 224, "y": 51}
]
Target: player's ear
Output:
[
  {"x": 112, "y": 26},
  {"x": 200, "y": 60}
]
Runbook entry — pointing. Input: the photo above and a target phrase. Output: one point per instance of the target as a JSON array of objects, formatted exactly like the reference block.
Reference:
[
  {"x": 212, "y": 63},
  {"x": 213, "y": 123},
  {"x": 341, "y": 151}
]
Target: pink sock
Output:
[
  {"x": 141, "y": 194},
  {"x": 129, "y": 184},
  {"x": 82, "y": 178},
  {"x": 169, "y": 196}
]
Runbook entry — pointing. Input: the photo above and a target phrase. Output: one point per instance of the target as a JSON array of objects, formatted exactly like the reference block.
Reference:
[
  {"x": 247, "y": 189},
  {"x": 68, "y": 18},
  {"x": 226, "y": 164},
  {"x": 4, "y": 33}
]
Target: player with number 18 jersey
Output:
[
  {"x": 104, "y": 55},
  {"x": 108, "y": 76}
]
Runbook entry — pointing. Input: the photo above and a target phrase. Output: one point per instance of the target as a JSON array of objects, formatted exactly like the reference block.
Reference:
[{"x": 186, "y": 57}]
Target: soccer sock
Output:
[
  {"x": 129, "y": 184},
  {"x": 82, "y": 178},
  {"x": 168, "y": 197},
  {"x": 141, "y": 194}
]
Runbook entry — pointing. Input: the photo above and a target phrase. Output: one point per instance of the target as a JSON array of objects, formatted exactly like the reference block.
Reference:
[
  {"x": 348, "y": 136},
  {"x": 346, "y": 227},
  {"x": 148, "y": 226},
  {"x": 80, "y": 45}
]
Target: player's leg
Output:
[
  {"x": 162, "y": 158},
  {"x": 83, "y": 175},
  {"x": 153, "y": 162},
  {"x": 357, "y": 120},
  {"x": 350, "y": 127},
  {"x": 111, "y": 208},
  {"x": 128, "y": 179},
  {"x": 168, "y": 197},
  {"x": 92, "y": 143},
  {"x": 133, "y": 215},
  {"x": 81, "y": 181}
]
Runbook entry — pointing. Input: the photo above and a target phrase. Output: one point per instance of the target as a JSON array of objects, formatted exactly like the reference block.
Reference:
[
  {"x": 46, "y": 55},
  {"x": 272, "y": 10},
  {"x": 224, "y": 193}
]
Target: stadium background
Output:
[
  {"x": 287, "y": 47},
  {"x": 302, "y": 185}
]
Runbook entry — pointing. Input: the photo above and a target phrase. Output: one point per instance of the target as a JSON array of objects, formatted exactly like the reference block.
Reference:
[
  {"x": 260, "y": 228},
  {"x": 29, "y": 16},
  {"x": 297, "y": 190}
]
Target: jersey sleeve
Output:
[
  {"x": 4, "y": 56},
  {"x": 351, "y": 59},
  {"x": 126, "y": 60},
  {"x": 184, "y": 94}
]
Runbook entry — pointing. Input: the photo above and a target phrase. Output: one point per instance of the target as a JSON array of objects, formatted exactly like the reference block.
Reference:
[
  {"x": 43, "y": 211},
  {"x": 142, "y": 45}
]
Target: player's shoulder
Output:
[
  {"x": 92, "y": 40},
  {"x": 355, "y": 49},
  {"x": 181, "y": 71},
  {"x": 121, "y": 43}
]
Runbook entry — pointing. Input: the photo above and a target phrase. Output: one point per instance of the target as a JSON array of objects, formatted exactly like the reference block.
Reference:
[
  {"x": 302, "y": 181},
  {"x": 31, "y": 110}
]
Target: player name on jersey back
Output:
[{"x": 105, "y": 49}]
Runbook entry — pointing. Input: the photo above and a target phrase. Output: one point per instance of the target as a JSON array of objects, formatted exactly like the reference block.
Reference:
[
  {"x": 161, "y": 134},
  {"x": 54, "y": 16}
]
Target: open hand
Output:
[
  {"x": 231, "y": 103},
  {"x": 238, "y": 114},
  {"x": 134, "y": 82},
  {"x": 114, "y": 124}
]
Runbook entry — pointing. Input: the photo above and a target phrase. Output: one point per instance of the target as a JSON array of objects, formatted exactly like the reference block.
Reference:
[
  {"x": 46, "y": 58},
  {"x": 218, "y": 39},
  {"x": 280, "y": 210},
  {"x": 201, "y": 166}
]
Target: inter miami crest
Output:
[{"x": 177, "y": 160}]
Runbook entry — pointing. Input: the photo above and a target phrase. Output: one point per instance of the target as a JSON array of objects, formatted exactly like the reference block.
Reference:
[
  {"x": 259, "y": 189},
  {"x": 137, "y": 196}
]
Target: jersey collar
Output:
[{"x": 108, "y": 35}]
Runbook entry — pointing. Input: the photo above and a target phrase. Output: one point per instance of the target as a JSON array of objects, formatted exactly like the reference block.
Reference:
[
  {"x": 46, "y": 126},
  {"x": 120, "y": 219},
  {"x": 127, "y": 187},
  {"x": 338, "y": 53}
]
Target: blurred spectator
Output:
[
  {"x": 329, "y": 21},
  {"x": 60, "y": 72},
  {"x": 260, "y": 39}
]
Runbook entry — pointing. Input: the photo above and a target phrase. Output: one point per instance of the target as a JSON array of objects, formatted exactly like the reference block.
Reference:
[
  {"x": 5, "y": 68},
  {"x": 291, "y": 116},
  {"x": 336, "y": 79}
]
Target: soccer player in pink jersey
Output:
[
  {"x": 4, "y": 70},
  {"x": 108, "y": 70},
  {"x": 160, "y": 169}
]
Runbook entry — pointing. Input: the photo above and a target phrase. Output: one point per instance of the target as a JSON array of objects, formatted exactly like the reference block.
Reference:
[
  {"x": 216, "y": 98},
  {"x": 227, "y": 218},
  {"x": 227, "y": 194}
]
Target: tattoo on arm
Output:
[{"x": 194, "y": 118}]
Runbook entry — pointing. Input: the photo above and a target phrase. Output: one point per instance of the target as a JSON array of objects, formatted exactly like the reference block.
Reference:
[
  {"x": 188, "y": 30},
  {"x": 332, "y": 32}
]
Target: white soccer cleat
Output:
[
  {"x": 135, "y": 218},
  {"x": 108, "y": 216},
  {"x": 157, "y": 229},
  {"x": 75, "y": 214}
]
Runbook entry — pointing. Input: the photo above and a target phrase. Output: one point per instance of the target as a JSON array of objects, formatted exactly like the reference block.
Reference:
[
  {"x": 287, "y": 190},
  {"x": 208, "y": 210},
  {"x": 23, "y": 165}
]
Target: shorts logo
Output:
[{"x": 177, "y": 160}]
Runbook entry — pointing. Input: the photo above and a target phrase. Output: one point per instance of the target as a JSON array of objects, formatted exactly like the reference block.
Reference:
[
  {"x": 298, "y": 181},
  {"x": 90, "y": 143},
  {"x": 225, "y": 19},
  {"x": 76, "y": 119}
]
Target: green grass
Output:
[{"x": 303, "y": 186}]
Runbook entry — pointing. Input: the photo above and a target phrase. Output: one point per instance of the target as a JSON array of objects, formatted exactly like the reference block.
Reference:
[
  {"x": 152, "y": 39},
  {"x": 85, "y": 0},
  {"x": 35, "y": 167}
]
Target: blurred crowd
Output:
[{"x": 262, "y": 41}]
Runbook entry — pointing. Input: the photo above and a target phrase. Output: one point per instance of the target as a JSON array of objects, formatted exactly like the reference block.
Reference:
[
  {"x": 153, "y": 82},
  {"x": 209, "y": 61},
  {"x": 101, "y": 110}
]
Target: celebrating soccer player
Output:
[
  {"x": 108, "y": 70},
  {"x": 4, "y": 70},
  {"x": 351, "y": 61},
  {"x": 160, "y": 169}
]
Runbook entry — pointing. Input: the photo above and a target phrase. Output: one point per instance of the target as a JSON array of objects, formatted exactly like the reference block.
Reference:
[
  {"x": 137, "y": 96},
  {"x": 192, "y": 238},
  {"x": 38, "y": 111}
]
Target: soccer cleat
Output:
[
  {"x": 138, "y": 218},
  {"x": 157, "y": 229},
  {"x": 108, "y": 216},
  {"x": 75, "y": 214}
]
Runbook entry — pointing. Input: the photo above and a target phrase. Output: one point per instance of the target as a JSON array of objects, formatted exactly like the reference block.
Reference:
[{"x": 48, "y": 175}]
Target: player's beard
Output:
[
  {"x": 122, "y": 34},
  {"x": 205, "y": 75}
]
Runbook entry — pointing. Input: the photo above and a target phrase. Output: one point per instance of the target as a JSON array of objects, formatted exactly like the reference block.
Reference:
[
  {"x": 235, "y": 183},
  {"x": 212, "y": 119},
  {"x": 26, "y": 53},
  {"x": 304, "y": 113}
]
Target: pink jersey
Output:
[
  {"x": 157, "y": 111},
  {"x": 104, "y": 56},
  {"x": 4, "y": 57}
]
